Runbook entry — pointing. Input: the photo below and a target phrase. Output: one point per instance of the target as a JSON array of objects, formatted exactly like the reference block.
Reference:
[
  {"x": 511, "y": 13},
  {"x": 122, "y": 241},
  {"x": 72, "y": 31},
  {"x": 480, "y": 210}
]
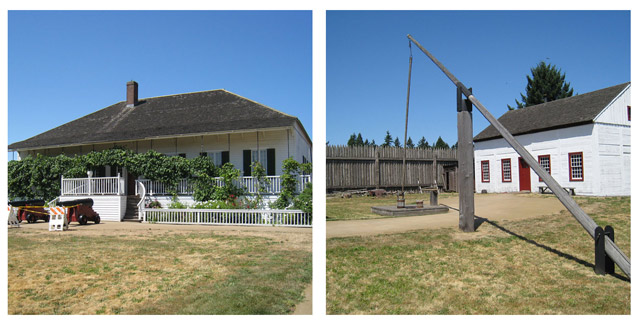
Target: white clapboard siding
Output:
[{"x": 110, "y": 208}]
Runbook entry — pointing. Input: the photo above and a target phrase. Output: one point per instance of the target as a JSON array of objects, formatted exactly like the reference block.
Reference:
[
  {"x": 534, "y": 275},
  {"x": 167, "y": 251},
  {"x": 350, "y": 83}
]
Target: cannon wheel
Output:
[
  {"x": 82, "y": 219},
  {"x": 47, "y": 218},
  {"x": 30, "y": 218},
  {"x": 97, "y": 219}
]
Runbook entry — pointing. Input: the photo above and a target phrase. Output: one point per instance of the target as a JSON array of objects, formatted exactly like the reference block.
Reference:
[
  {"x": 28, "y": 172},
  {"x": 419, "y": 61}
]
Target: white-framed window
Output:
[
  {"x": 261, "y": 156},
  {"x": 485, "y": 171},
  {"x": 506, "y": 168},
  {"x": 215, "y": 156},
  {"x": 576, "y": 167}
]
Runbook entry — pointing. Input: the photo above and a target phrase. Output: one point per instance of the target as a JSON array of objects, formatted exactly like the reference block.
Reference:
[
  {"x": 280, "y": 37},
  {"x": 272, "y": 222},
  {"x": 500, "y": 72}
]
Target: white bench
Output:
[{"x": 542, "y": 189}]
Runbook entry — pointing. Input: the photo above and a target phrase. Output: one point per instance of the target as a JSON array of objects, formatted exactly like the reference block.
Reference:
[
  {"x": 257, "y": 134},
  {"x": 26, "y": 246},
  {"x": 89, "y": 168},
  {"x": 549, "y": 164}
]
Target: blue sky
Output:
[
  {"x": 66, "y": 64},
  {"x": 491, "y": 51}
]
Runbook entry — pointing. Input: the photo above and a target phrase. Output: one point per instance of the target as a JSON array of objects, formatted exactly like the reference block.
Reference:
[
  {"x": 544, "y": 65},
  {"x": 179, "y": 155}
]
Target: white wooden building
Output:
[
  {"x": 583, "y": 141},
  {"x": 219, "y": 124}
]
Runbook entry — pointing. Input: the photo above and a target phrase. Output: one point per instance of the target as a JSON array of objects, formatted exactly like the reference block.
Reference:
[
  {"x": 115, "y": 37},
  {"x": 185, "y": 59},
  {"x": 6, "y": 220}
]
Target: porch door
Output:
[
  {"x": 525, "y": 183},
  {"x": 130, "y": 184}
]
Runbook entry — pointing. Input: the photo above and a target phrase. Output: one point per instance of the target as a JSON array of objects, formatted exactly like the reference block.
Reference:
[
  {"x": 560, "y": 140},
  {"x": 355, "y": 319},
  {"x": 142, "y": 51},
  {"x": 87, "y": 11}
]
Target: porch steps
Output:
[{"x": 131, "y": 214}]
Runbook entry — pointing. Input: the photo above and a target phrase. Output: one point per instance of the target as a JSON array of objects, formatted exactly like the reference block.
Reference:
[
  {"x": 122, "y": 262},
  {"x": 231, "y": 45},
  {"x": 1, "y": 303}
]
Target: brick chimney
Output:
[{"x": 131, "y": 94}]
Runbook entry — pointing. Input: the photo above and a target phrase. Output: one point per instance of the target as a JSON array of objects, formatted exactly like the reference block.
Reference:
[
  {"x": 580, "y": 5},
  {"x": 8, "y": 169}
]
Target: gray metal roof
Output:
[
  {"x": 568, "y": 112},
  {"x": 174, "y": 115}
]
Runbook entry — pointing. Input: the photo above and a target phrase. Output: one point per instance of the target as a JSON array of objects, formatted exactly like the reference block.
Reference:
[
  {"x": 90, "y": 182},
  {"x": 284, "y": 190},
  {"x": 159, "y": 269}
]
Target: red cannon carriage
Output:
[
  {"x": 80, "y": 210},
  {"x": 31, "y": 210}
]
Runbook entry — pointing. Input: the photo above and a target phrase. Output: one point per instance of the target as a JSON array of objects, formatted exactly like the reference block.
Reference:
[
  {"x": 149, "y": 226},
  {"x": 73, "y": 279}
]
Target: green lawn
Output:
[
  {"x": 157, "y": 273},
  {"x": 542, "y": 265}
]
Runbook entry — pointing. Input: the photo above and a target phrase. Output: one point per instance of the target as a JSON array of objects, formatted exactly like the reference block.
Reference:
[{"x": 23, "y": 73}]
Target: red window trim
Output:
[
  {"x": 488, "y": 171},
  {"x": 503, "y": 170},
  {"x": 550, "y": 164},
  {"x": 582, "y": 162},
  {"x": 629, "y": 113}
]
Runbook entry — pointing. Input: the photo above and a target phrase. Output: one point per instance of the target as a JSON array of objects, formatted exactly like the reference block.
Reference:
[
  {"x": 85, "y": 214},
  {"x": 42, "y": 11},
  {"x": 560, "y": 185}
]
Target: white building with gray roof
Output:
[{"x": 583, "y": 141}]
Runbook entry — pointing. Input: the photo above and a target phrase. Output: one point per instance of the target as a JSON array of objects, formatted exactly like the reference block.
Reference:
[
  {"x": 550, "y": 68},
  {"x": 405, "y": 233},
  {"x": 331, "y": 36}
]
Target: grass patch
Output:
[
  {"x": 358, "y": 207},
  {"x": 157, "y": 272},
  {"x": 542, "y": 265}
]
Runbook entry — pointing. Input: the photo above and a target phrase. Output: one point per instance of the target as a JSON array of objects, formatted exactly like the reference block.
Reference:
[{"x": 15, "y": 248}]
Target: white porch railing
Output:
[
  {"x": 92, "y": 186},
  {"x": 284, "y": 218},
  {"x": 249, "y": 183},
  {"x": 159, "y": 188}
]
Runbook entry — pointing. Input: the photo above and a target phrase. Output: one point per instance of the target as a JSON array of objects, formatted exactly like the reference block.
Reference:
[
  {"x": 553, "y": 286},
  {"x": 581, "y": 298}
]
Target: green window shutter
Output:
[
  {"x": 272, "y": 166},
  {"x": 225, "y": 157},
  {"x": 247, "y": 159}
]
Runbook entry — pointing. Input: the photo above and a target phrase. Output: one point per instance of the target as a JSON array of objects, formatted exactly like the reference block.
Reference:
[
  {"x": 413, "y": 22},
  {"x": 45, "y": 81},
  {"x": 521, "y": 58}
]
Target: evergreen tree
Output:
[
  {"x": 366, "y": 143},
  {"x": 397, "y": 143},
  {"x": 440, "y": 144},
  {"x": 423, "y": 143},
  {"x": 359, "y": 141},
  {"x": 373, "y": 144},
  {"x": 546, "y": 84},
  {"x": 387, "y": 141},
  {"x": 455, "y": 146},
  {"x": 409, "y": 143},
  {"x": 353, "y": 140}
]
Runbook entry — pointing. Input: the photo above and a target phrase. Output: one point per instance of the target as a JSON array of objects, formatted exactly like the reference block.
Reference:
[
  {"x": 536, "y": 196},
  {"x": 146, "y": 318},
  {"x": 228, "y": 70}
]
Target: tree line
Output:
[{"x": 357, "y": 140}]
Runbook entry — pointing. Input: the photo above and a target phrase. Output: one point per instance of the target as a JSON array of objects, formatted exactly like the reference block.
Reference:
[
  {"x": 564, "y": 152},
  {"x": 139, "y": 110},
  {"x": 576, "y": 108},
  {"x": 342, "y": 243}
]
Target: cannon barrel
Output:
[
  {"x": 87, "y": 202},
  {"x": 27, "y": 203}
]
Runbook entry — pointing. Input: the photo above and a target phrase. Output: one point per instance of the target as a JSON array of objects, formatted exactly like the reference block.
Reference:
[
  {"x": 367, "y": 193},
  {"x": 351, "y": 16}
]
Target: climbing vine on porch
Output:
[
  {"x": 39, "y": 176},
  {"x": 291, "y": 170}
]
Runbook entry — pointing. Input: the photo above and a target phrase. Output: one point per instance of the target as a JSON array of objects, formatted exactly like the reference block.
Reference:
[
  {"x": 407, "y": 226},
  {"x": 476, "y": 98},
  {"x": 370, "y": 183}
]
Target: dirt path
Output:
[
  {"x": 305, "y": 307},
  {"x": 490, "y": 206}
]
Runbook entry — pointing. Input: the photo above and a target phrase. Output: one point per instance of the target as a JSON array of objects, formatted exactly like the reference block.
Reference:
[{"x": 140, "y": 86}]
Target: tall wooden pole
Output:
[
  {"x": 405, "y": 135},
  {"x": 466, "y": 163}
]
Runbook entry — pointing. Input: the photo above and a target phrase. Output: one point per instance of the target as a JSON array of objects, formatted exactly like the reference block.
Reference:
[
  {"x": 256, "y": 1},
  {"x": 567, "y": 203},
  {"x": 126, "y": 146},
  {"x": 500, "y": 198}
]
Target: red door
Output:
[{"x": 525, "y": 183}]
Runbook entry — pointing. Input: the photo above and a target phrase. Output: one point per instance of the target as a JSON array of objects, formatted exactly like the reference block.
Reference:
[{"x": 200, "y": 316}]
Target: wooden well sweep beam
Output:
[{"x": 588, "y": 223}]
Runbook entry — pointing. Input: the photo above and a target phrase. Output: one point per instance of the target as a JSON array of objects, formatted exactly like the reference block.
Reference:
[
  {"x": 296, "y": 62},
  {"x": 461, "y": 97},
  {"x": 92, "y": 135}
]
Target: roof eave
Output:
[
  {"x": 155, "y": 138},
  {"x": 538, "y": 130}
]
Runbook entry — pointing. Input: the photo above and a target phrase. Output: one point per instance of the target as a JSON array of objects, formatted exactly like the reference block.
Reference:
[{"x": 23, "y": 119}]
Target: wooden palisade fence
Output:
[{"x": 362, "y": 167}]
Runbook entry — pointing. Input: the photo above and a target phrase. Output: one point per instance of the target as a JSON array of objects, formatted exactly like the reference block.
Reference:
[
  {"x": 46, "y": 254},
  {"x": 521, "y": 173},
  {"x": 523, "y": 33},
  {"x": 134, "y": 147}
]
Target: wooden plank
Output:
[{"x": 585, "y": 221}]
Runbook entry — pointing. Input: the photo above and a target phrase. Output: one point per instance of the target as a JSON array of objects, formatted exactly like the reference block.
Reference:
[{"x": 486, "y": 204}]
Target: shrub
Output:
[
  {"x": 176, "y": 204},
  {"x": 213, "y": 205},
  {"x": 304, "y": 200},
  {"x": 291, "y": 169},
  {"x": 154, "y": 205}
]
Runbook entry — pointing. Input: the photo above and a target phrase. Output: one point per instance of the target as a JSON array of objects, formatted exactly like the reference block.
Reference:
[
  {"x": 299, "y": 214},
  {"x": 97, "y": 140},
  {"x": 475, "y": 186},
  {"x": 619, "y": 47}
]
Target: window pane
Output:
[
  {"x": 262, "y": 156},
  {"x": 576, "y": 161},
  {"x": 485, "y": 171},
  {"x": 507, "y": 170}
]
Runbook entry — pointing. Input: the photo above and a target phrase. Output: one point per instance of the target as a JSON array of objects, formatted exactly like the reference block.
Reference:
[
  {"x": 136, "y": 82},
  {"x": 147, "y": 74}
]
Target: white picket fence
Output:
[{"x": 283, "y": 218}]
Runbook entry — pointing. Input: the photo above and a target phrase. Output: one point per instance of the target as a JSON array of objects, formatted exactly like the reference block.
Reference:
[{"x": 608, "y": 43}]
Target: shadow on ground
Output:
[{"x": 478, "y": 221}]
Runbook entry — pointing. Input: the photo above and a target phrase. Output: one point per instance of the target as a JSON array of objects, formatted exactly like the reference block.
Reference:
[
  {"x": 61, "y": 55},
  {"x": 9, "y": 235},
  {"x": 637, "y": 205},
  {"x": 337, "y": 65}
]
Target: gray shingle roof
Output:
[
  {"x": 575, "y": 110},
  {"x": 165, "y": 116}
]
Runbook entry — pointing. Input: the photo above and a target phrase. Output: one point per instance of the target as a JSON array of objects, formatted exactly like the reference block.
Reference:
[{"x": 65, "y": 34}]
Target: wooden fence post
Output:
[
  {"x": 435, "y": 170},
  {"x": 466, "y": 163},
  {"x": 377, "y": 172}
]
